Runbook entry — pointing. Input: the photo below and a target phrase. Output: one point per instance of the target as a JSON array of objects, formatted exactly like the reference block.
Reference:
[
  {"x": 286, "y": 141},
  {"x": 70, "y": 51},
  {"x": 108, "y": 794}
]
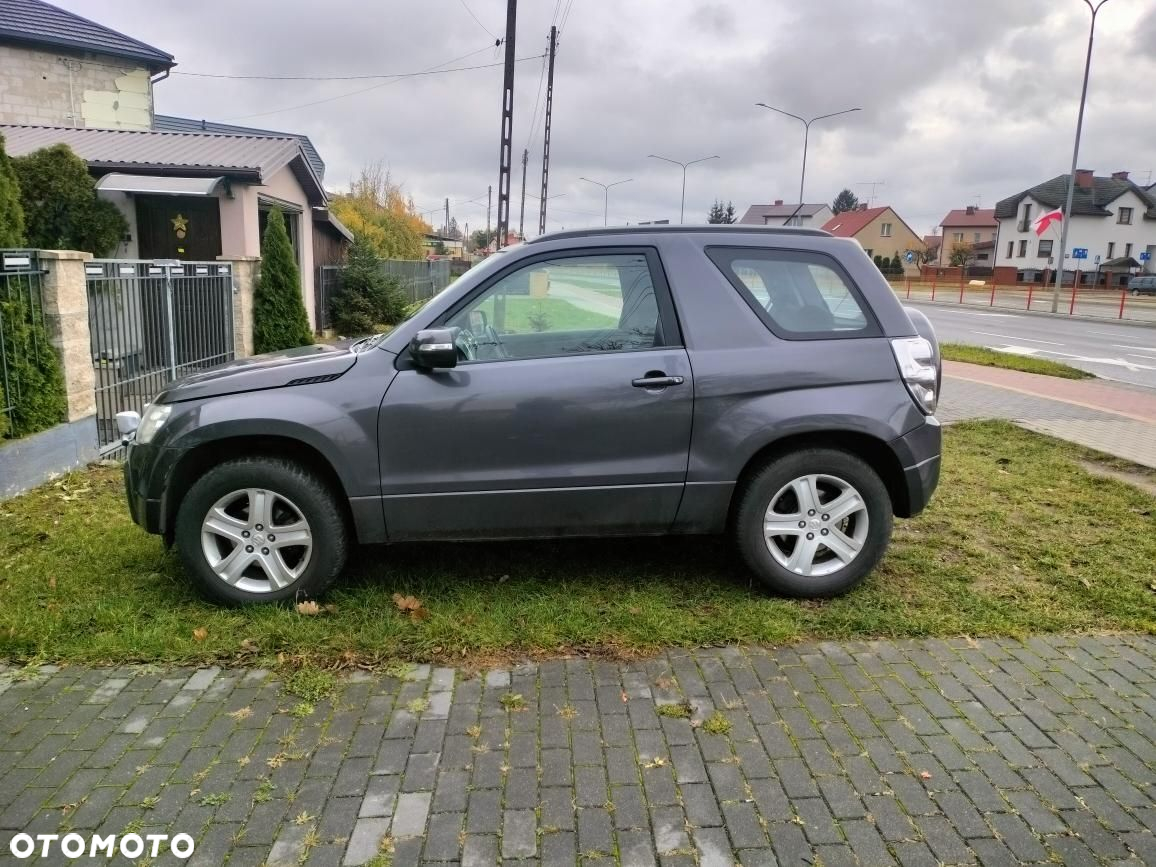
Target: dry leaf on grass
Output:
[
  {"x": 925, "y": 775},
  {"x": 308, "y": 607},
  {"x": 200, "y": 633},
  {"x": 411, "y": 605},
  {"x": 51, "y": 583}
]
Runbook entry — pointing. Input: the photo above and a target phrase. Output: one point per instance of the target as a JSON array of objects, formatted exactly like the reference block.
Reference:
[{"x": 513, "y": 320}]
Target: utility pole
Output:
[
  {"x": 546, "y": 136},
  {"x": 505, "y": 156},
  {"x": 522, "y": 215},
  {"x": 447, "y": 224},
  {"x": 489, "y": 205}
]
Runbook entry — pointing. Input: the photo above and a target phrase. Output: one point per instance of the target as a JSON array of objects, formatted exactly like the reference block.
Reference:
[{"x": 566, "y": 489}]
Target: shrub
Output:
[
  {"x": 61, "y": 209},
  {"x": 279, "y": 318},
  {"x": 367, "y": 298},
  {"x": 11, "y": 211},
  {"x": 34, "y": 374}
]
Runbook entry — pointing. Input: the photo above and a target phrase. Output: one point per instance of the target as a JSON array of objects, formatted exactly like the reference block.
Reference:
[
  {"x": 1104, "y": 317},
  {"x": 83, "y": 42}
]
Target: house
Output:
[
  {"x": 879, "y": 231},
  {"x": 1113, "y": 219},
  {"x": 932, "y": 244},
  {"x": 452, "y": 246},
  {"x": 976, "y": 227},
  {"x": 780, "y": 214},
  {"x": 59, "y": 69},
  {"x": 189, "y": 189}
]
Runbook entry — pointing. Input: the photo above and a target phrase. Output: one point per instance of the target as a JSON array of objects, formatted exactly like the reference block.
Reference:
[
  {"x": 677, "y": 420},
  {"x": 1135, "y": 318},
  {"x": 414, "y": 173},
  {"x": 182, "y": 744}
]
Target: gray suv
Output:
[{"x": 620, "y": 382}]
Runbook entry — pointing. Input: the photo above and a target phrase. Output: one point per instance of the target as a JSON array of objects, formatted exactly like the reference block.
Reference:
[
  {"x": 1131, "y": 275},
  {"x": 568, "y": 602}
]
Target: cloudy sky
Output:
[{"x": 961, "y": 101}]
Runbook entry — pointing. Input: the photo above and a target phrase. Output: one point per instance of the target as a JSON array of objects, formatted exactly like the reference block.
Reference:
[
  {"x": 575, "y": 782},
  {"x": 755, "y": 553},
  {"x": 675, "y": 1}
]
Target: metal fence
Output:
[
  {"x": 419, "y": 279},
  {"x": 151, "y": 322},
  {"x": 21, "y": 305}
]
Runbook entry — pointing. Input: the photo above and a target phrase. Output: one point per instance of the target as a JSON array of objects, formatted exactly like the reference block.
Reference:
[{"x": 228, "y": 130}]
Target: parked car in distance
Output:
[
  {"x": 760, "y": 382},
  {"x": 1144, "y": 285}
]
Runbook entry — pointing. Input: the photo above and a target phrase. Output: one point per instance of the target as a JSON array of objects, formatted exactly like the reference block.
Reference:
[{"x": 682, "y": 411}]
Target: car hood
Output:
[{"x": 300, "y": 366}]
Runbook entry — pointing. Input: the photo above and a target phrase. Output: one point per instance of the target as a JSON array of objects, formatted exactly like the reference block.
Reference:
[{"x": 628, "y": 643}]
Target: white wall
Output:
[{"x": 1093, "y": 233}]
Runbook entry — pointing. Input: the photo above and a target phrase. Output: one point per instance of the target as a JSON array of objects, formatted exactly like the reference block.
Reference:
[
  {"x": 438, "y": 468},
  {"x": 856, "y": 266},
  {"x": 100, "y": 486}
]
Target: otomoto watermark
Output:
[{"x": 79, "y": 846}]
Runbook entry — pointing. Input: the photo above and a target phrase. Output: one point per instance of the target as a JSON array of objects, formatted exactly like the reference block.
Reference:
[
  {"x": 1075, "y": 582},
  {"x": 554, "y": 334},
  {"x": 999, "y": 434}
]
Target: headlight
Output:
[
  {"x": 154, "y": 417},
  {"x": 917, "y": 366}
]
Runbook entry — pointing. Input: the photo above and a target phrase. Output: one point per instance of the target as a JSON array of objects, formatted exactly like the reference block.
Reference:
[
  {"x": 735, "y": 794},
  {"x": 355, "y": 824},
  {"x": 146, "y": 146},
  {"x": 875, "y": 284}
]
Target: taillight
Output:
[{"x": 917, "y": 365}]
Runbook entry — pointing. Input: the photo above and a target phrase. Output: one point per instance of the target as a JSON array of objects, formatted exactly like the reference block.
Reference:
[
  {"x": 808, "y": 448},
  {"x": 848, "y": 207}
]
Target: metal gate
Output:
[{"x": 152, "y": 322}]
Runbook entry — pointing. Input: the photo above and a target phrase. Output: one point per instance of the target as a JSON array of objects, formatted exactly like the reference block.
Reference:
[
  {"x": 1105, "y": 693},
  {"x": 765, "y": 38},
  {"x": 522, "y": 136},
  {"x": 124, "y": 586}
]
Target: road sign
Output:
[
  {"x": 1145, "y": 256},
  {"x": 1097, "y": 259},
  {"x": 911, "y": 256},
  {"x": 1079, "y": 252}
]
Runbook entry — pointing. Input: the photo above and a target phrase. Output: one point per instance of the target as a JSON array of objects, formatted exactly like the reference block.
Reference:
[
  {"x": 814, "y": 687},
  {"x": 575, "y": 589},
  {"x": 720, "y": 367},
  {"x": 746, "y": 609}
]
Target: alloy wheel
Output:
[
  {"x": 816, "y": 525},
  {"x": 256, "y": 540}
]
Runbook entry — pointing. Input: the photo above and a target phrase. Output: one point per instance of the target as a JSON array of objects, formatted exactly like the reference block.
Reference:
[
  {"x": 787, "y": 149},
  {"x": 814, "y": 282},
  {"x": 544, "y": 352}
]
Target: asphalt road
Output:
[{"x": 1125, "y": 353}]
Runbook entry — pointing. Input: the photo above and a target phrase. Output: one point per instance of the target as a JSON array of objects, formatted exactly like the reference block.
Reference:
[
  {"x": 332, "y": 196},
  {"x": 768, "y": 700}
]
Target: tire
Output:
[
  {"x": 1135, "y": 293},
  {"x": 282, "y": 496},
  {"x": 834, "y": 476}
]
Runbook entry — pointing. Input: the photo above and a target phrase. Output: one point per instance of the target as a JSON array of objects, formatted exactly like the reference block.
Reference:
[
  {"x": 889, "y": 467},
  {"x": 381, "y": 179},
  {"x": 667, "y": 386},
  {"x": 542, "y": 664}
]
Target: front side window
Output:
[
  {"x": 796, "y": 294},
  {"x": 563, "y": 306}
]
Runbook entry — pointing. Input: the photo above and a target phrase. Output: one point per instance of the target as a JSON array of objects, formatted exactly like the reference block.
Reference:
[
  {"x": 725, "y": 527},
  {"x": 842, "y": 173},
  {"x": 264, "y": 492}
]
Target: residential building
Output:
[
  {"x": 189, "y": 189},
  {"x": 1112, "y": 217},
  {"x": 976, "y": 227},
  {"x": 454, "y": 247},
  {"x": 779, "y": 214},
  {"x": 59, "y": 69},
  {"x": 879, "y": 231},
  {"x": 932, "y": 244}
]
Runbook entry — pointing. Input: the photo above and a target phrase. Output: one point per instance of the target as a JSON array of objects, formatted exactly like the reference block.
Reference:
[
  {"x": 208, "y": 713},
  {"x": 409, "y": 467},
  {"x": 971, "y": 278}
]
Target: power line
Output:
[
  {"x": 565, "y": 16},
  {"x": 497, "y": 41},
  {"x": 380, "y": 84},
  {"x": 537, "y": 101},
  {"x": 428, "y": 71}
]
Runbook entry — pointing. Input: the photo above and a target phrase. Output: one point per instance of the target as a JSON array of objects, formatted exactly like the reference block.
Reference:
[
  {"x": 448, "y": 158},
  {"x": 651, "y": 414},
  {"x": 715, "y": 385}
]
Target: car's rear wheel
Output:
[
  {"x": 1135, "y": 292},
  {"x": 814, "y": 522},
  {"x": 261, "y": 530}
]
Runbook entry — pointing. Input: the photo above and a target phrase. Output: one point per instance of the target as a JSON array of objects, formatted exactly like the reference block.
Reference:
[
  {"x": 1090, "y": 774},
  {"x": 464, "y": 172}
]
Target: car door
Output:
[{"x": 568, "y": 413}]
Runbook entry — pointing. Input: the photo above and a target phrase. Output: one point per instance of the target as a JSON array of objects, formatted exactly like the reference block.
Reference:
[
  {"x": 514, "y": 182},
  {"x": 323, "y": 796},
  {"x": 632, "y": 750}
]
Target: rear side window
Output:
[{"x": 797, "y": 294}]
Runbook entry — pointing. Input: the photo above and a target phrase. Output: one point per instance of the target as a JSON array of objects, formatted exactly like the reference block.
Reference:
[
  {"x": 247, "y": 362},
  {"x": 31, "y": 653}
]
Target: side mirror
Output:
[{"x": 434, "y": 348}]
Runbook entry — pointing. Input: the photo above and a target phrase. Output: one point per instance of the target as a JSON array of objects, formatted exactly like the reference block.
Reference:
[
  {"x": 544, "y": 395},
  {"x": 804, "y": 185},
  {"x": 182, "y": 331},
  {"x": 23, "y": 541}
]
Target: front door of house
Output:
[{"x": 178, "y": 227}]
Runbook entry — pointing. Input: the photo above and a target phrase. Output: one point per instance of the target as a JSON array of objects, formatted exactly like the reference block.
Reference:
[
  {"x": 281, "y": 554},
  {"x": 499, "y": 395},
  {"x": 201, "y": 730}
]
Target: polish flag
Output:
[{"x": 1044, "y": 221}]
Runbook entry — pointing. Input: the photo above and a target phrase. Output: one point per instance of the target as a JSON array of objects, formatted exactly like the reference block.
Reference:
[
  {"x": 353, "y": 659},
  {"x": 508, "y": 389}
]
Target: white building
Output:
[
  {"x": 1112, "y": 218},
  {"x": 779, "y": 214}
]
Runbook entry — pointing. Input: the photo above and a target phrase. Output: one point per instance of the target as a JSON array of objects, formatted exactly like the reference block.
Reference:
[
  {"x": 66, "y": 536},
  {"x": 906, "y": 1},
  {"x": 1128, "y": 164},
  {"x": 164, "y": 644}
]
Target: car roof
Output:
[{"x": 711, "y": 229}]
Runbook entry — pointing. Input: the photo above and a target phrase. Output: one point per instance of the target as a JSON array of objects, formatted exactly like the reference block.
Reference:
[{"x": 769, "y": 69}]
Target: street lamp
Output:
[
  {"x": 1075, "y": 157},
  {"x": 806, "y": 135},
  {"x": 606, "y": 195},
  {"x": 682, "y": 207}
]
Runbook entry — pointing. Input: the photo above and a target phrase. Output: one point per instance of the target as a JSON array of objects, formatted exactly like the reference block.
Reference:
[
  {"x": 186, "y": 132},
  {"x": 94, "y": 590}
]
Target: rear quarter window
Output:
[{"x": 797, "y": 294}]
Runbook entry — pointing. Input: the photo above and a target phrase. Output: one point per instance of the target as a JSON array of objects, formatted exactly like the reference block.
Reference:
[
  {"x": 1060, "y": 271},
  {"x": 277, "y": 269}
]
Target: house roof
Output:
[
  {"x": 1086, "y": 202},
  {"x": 932, "y": 241},
  {"x": 34, "y": 22},
  {"x": 970, "y": 217},
  {"x": 1120, "y": 262},
  {"x": 758, "y": 214},
  {"x": 253, "y": 159},
  {"x": 169, "y": 123},
  {"x": 850, "y": 223}
]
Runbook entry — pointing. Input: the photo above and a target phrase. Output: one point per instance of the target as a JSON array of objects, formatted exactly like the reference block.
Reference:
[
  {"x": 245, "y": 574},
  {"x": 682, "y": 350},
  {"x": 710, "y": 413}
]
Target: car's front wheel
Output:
[
  {"x": 261, "y": 530},
  {"x": 813, "y": 523}
]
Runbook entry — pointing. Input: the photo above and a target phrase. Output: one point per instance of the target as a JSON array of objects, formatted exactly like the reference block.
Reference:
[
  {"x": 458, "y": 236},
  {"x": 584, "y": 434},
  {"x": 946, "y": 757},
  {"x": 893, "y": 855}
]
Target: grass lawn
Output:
[
  {"x": 523, "y": 313},
  {"x": 1019, "y": 539},
  {"x": 1010, "y": 361}
]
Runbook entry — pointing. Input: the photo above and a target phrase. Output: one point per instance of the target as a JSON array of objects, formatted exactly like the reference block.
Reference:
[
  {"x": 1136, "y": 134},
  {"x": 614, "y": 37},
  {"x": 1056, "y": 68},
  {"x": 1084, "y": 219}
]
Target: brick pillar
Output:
[
  {"x": 244, "y": 270},
  {"x": 65, "y": 297}
]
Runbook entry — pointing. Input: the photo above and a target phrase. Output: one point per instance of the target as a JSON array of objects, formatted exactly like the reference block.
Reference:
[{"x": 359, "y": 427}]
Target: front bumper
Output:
[
  {"x": 146, "y": 472},
  {"x": 920, "y": 453}
]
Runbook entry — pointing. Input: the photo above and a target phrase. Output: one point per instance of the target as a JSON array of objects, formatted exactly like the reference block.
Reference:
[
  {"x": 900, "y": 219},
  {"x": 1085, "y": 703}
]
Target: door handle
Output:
[{"x": 657, "y": 380}]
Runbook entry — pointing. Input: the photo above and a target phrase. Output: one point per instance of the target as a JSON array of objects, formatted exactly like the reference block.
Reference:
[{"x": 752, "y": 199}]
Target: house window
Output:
[
  {"x": 1011, "y": 248},
  {"x": 982, "y": 257},
  {"x": 1026, "y": 223},
  {"x": 1023, "y": 249},
  {"x": 885, "y": 230},
  {"x": 957, "y": 237},
  {"x": 1111, "y": 250},
  {"x": 1045, "y": 249},
  {"x": 977, "y": 237},
  {"x": 1124, "y": 215},
  {"x": 1127, "y": 249}
]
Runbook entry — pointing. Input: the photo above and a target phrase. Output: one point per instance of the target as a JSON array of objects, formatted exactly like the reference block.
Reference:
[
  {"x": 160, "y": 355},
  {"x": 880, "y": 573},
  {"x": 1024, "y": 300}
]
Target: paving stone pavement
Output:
[
  {"x": 1133, "y": 439},
  {"x": 872, "y": 753}
]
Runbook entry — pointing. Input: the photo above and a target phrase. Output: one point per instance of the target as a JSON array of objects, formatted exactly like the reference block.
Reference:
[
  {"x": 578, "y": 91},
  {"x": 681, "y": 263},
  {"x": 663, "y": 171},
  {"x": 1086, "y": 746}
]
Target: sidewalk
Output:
[
  {"x": 871, "y": 753},
  {"x": 1115, "y": 419}
]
